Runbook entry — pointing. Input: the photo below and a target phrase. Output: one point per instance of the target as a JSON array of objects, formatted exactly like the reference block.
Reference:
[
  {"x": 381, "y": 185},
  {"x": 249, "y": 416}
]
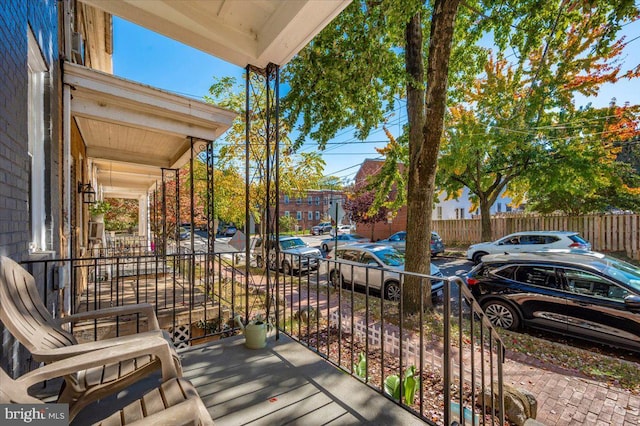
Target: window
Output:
[
  {"x": 400, "y": 236},
  {"x": 317, "y": 215},
  {"x": 351, "y": 255},
  {"x": 460, "y": 213},
  {"x": 309, "y": 215},
  {"x": 507, "y": 272},
  {"x": 499, "y": 207},
  {"x": 287, "y": 213},
  {"x": 532, "y": 239},
  {"x": 439, "y": 212},
  {"x": 286, "y": 199},
  {"x": 299, "y": 215},
  {"x": 543, "y": 276},
  {"x": 511, "y": 241},
  {"x": 37, "y": 167},
  {"x": 317, "y": 201},
  {"x": 588, "y": 284},
  {"x": 298, "y": 200},
  {"x": 368, "y": 259},
  {"x": 309, "y": 200},
  {"x": 326, "y": 201}
]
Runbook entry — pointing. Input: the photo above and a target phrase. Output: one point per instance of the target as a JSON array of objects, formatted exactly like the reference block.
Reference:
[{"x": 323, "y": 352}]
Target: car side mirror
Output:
[
  {"x": 632, "y": 302},
  {"x": 373, "y": 263}
]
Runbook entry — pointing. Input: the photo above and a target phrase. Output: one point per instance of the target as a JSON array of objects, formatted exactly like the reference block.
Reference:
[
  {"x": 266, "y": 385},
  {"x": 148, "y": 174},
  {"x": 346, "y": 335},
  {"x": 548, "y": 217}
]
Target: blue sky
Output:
[{"x": 146, "y": 57}]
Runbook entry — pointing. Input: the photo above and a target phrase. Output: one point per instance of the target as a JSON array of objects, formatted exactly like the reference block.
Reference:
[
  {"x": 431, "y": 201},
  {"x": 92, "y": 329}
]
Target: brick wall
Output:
[
  {"x": 16, "y": 17},
  {"x": 300, "y": 203}
]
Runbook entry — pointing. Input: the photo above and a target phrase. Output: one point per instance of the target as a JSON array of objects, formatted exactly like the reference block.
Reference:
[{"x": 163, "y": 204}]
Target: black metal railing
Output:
[
  {"x": 443, "y": 363},
  {"x": 447, "y": 355}
]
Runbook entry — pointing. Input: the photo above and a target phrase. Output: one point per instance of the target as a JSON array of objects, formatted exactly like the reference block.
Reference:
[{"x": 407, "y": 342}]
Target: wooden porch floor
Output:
[{"x": 282, "y": 384}]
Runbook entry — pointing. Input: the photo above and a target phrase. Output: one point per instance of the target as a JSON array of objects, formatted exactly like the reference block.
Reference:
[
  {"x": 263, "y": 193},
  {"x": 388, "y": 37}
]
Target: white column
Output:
[
  {"x": 66, "y": 164},
  {"x": 143, "y": 216}
]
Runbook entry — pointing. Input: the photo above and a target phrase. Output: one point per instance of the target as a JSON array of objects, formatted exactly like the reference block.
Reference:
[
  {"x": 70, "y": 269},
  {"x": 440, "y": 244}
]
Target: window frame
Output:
[{"x": 37, "y": 144}]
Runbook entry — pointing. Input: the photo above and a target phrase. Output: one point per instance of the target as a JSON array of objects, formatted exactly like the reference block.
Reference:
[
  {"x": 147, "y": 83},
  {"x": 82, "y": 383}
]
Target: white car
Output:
[
  {"x": 341, "y": 240},
  {"x": 528, "y": 241},
  {"x": 342, "y": 229},
  {"x": 364, "y": 263}
]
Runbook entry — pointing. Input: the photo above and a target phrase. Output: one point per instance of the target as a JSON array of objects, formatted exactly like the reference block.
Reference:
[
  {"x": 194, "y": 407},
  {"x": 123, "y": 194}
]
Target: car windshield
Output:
[
  {"x": 292, "y": 243},
  {"x": 390, "y": 256},
  {"x": 623, "y": 271}
]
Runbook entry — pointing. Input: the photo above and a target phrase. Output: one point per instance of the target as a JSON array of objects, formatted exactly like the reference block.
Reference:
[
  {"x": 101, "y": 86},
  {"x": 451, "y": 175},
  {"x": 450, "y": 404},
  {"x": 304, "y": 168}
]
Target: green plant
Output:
[
  {"x": 360, "y": 367},
  {"x": 410, "y": 385},
  {"x": 99, "y": 207},
  {"x": 288, "y": 223},
  {"x": 209, "y": 326}
]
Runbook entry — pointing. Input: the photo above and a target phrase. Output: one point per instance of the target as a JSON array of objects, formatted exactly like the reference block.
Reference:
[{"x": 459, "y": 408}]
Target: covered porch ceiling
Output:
[
  {"x": 246, "y": 32},
  {"x": 131, "y": 131}
]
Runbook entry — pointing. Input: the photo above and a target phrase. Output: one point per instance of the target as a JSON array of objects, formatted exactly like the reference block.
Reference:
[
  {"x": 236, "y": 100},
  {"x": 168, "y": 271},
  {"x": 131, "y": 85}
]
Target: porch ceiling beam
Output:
[
  {"x": 112, "y": 166},
  {"x": 99, "y": 110},
  {"x": 132, "y": 175},
  {"x": 141, "y": 159}
]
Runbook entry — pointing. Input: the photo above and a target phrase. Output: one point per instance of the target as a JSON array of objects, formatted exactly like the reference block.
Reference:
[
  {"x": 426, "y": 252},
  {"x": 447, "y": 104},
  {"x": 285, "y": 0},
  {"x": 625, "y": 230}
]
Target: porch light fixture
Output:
[{"x": 88, "y": 194}]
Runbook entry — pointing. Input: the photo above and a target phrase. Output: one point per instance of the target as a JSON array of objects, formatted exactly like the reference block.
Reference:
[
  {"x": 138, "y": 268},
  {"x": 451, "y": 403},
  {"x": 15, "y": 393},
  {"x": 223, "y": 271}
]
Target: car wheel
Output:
[
  {"x": 325, "y": 248},
  {"x": 335, "y": 279},
  {"x": 259, "y": 262},
  {"x": 286, "y": 268},
  {"x": 501, "y": 314},
  {"x": 272, "y": 261},
  {"x": 477, "y": 257},
  {"x": 392, "y": 291}
]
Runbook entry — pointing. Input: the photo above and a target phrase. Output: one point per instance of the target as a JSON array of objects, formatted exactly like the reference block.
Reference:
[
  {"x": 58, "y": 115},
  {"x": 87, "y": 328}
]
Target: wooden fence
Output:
[{"x": 610, "y": 232}]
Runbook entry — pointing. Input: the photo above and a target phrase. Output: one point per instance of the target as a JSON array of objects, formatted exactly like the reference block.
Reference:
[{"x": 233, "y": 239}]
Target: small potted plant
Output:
[{"x": 98, "y": 209}]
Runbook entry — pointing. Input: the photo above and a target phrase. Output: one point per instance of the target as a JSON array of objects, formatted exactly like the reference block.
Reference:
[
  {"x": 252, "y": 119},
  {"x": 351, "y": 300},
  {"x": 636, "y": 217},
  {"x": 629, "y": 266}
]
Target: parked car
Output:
[
  {"x": 341, "y": 229},
  {"x": 577, "y": 293},
  {"x": 399, "y": 242},
  {"x": 295, "y": 255},
  {"x": 364, "y": 262},
  {"x": 341, "y": 240},
  {"x": 185, "y": 234},
  {"x": 229, "y": 231},
  {"x": 529, "y": 241},
  {"x": 321, "y": 228}
]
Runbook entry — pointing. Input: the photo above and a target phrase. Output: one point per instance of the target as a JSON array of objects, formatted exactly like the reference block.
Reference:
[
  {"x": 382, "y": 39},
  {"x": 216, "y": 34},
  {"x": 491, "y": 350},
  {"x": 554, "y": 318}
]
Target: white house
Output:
[{"x": 461, "y": 208}]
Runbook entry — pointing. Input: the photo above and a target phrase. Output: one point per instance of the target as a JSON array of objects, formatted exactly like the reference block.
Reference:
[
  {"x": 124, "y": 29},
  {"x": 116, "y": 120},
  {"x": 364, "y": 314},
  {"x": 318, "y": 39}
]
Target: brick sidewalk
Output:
[{"x": 569, "y": 398}]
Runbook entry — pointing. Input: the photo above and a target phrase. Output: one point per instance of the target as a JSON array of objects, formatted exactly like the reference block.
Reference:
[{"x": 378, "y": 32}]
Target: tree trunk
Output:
[
  {"x": 426, "y": 122},
  {"x": 485, "y": 219}
]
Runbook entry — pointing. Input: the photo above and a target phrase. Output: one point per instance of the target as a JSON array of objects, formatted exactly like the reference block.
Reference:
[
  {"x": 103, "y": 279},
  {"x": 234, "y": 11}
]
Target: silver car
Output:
[
  {"x": 362, "y": 263},
  {"x": 342, "y": 240},
  {"x": 295, "y": 255}
]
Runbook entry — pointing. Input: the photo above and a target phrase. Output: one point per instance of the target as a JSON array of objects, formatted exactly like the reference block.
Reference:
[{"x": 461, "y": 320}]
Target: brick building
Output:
[
  {"x": 310, "y": 207},
  {"x": 30, "y": 142},
  {"x": 379, "y": 230}
]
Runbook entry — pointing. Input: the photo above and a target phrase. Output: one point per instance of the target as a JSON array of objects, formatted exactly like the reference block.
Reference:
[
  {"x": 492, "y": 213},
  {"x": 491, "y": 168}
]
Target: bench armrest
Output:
[
  {"x": 145, "y": 309},
  {"x": 150, "y": 345}
]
